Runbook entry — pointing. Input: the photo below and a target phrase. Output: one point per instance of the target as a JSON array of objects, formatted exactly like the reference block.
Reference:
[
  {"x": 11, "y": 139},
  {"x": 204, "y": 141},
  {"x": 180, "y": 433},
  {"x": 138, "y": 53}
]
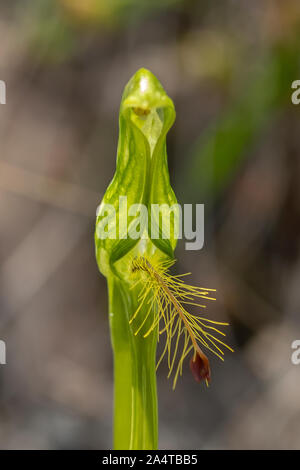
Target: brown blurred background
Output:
[{"x": 235, "y": 146}]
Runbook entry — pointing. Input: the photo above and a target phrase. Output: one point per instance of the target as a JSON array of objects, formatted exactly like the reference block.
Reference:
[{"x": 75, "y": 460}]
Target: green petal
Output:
[{"x": 146, "y": 115}]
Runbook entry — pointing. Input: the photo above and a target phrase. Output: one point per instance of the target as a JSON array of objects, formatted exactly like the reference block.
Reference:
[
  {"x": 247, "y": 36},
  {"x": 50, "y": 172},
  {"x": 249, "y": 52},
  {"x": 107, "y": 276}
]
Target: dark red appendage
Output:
[{"x": 200, "y": 367}]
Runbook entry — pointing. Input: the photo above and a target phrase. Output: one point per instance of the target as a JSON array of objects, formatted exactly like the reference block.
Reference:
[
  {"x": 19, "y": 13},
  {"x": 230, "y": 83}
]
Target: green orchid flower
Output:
[
  {"x": 146, "y": 115},
  {"x": 135, "y": 245}
]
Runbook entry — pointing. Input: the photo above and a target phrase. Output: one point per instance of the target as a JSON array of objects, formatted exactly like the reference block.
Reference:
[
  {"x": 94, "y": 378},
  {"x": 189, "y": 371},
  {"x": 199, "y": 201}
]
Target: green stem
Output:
[{"x": 135, "y": 397}]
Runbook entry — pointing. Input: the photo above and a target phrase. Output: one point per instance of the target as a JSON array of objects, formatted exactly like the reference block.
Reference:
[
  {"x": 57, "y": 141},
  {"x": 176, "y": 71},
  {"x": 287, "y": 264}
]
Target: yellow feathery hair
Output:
[{"x": 167, "y": 296}]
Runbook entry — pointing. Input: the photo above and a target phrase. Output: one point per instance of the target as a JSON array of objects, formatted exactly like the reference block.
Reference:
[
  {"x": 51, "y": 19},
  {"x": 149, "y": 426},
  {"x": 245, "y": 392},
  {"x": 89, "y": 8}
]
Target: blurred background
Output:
[{"x": 235, "y": 147}]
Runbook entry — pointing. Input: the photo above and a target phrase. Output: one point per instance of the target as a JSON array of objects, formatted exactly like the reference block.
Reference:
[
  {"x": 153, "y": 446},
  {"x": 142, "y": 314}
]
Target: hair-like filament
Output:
[{"x": 166, "y": 297}]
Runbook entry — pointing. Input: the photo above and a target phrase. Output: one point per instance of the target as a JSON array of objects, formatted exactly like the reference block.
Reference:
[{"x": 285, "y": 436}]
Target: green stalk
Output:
[{"x": 135, "y": 397}]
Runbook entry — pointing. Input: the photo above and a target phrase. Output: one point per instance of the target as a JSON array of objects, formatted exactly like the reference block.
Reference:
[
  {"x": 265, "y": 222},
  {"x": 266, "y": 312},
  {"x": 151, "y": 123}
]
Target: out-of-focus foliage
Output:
[
  {"x": 51, "y": 35},
  {"x": 210, "y": 55},
  {"x": 56, "y": 27},
  {"x": 222, "y": 148},
  {"x": 112, "y": 13},
  {"x": 228, "y": 66}
]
